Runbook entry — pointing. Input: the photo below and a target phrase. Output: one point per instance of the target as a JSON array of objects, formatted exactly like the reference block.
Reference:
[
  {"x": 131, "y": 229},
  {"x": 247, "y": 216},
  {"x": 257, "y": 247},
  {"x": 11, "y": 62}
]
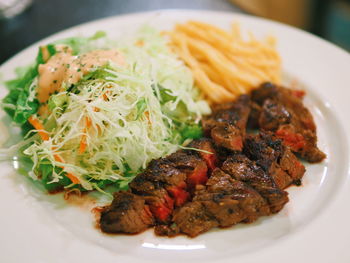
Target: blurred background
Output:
[{"x": 23, "y": 22}]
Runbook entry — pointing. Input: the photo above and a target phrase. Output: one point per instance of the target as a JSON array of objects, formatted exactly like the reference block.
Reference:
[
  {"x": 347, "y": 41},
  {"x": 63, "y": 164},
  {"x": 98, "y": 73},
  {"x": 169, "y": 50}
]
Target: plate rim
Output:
[
  {"x": 170, "y": 10},
  {"x": 130, "y": 15}
]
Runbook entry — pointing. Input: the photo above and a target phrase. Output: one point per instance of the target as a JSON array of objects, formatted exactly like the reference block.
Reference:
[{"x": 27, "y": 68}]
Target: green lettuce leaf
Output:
[{"x": 17, "y": 103}]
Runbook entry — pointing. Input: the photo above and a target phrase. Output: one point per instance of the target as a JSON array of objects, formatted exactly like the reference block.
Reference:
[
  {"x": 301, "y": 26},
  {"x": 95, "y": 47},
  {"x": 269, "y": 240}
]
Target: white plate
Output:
[{"x": 314, "y": 226}]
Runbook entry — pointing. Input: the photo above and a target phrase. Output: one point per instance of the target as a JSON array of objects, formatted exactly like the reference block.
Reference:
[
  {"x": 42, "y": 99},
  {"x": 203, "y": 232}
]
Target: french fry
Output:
[{"x": 225, "y": 64}]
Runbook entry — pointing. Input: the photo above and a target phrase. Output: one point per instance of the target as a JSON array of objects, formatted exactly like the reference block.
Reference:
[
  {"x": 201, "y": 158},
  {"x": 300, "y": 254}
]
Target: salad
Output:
[{"x": 94, "y": 112}]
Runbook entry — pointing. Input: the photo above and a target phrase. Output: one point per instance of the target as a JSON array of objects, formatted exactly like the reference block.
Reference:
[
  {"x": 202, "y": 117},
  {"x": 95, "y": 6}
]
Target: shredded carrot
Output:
[
  {"x": 105, "y": 97},
  {"x": 38, "y": 126},
  {"x": 83, "y": 143},
  {"x": 87, "y": 122},
  {"x": 71, "y": 177},
  {"x": 98, "y": 127},
  {"x": 147, "y": 117},
  {"x": 140, "y": 43},
  {"x": 108, "y": 92},
  {"x": 58, "y": 158}
]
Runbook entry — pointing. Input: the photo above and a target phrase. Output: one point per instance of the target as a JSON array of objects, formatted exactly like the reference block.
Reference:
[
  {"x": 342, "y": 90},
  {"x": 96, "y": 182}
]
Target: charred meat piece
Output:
[
  {"x": 287, "y": 160},
  {"x": 164, "y": 171},
  {"x": 223, "y": 202},
  {"x": 228, "y": 136},
  {"x": 207, "y": 152},
  {"x": 301, "y": 142},
  {"x": 245, "y": 170},
  {"x": 168, "y": 182},
  {"x": 250, "y": 201},
  {"x": 166, "y": 230},
  {"x": 266, "y": 90},
  {"x": 194, "y": 167},
  {"x": 227, "y": 124},
  {"x": 179, "y": 194},
  {"x": 273, "y": 115},
  {"x": 155, "y": 195},
  {"x": 292, "y": 166},
  {"x": 282, "y": 111},
  {"x": 266, "y": 157},
  {"x": 153, "y": 183},
  {"x": 274, "y": 158},
  {"x": 193, "y": 219},
  {"x": 255, "y": 111},
  {"x": 160, "y": 204},
  {"x": 128, "y": 213}
]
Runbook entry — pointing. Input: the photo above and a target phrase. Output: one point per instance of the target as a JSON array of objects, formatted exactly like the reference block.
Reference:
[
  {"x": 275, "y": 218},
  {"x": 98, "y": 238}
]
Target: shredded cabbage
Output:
[{"x": 127, "y": 115}]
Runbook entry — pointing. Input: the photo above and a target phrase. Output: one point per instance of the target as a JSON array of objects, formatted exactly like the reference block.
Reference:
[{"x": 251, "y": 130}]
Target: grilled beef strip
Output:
[
  {"x": 168, "y": 182},
  {"x": 227, "y": 124},
  {"x": 250, "y": 201},
  {"x": 192, "y": 165},
  {"x": 241, "y": 168},
  {"x": 153, "y": 183},
  {"x": 274, "y": 158},
  {"x": 192, "y": 219},
  {"x": 281, "y": 110},
  {"x": 128, "y": 213},
  {"x": 207, "y": 151},
  {"x": 223, "y": 202},
  {"x": 255, "y": 111}
]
